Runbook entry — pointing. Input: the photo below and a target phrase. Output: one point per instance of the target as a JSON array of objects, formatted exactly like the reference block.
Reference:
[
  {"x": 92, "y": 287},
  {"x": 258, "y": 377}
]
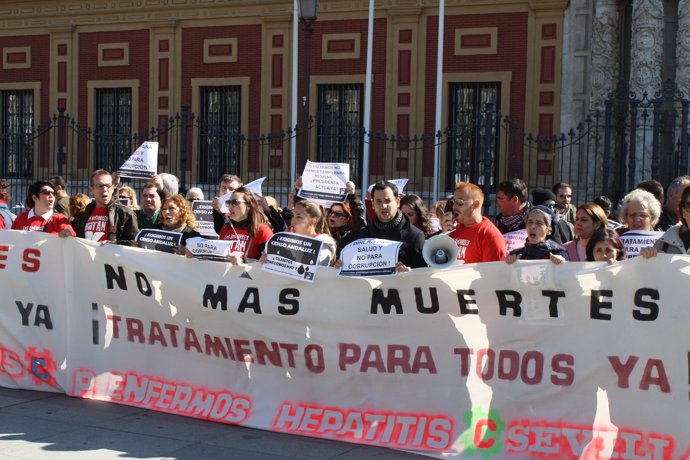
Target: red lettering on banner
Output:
[
  {"x": 31, "y": 258},
  {"x": 563, "y": 441},
  {"x": 279, "y": 354},
  {"x": 163, "y": 395},
  {"x": 509, "y": 365},
  {"x": 401, "y": 430},
  {"x": 654, "y": 373},
  {"x": 398, "y": 358},
  {"x": 4, "y": 249},
  {"x": 11, "y": 364}
]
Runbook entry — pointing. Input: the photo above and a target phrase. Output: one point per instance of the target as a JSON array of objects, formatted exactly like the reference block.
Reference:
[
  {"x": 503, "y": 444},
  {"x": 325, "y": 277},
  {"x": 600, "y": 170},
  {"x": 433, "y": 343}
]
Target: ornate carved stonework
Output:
[
  {"x": 604, "y": 51},
  {"x": 683, "y": 48},
  {"x": 646, "y": 47}
]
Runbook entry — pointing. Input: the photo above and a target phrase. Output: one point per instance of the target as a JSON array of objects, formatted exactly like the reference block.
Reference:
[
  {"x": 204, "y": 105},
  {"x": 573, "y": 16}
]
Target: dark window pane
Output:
[
  {"x": 17, "y": 119},
  {"x": 113, "y": 131},
  {"x": 219, "y": 132},
  {"x": 340, "y": 138},
  {"x": 473, "y": 140}
]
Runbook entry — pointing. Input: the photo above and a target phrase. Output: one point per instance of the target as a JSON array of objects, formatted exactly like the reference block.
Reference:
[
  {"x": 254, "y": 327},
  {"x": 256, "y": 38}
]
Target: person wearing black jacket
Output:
[
  {"x": 390, "y": 223},
  {"x": 103, "y": 219}
]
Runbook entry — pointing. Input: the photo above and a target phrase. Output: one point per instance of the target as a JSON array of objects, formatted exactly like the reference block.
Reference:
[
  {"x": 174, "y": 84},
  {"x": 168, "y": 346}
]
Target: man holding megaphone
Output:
[{"x": 478, "y": 239}]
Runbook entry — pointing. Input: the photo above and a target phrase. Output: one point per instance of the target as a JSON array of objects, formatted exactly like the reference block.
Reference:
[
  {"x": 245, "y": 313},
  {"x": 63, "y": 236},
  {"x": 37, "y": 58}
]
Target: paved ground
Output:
[{"x": 35, "y": 425}]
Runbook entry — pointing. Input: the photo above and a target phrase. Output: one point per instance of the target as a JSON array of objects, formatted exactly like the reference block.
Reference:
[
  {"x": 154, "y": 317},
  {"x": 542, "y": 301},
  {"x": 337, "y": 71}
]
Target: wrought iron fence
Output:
[{"x": 607, "y": 153}]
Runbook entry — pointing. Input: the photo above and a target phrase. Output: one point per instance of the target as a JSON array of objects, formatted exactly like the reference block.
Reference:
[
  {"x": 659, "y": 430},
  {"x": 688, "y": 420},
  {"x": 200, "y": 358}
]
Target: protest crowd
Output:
[{"x": 649, "y": 219}]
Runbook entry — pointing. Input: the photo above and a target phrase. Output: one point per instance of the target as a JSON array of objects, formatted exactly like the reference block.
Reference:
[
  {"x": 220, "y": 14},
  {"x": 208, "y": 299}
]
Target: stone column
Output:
[
  {"x": 645, "y": 78},
  {"x": 605, "y": 51},
  {"x": 683, "y": 48}
]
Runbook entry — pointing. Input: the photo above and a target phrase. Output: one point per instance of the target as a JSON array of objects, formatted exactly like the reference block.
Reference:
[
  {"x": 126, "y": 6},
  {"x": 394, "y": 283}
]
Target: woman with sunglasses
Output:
[
  {"x": 676, "y": 240},
  {"x": 39, "y": 215},
  {"x": 345, "y": 220},
  {"x": 245, "y": 226}
]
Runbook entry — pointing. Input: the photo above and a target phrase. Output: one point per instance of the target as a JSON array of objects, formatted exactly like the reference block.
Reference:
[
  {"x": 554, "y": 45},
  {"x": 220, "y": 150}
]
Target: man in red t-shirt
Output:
[
  {"x": 40, "y": 216},
  {"x": 477, "y": 237},
  {"x": 103, "y": 219}
]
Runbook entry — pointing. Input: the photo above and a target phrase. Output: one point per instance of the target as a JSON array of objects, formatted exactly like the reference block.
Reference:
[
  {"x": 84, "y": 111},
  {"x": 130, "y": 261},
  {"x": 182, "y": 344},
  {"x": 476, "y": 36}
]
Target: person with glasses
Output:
[
  {"x": 565, "y": 210},
  {"x": 177, "y": 216},
  {"x": 104, "y": 219},
  {"x": 245, "y": 226},
  {"x": 589, "y": 218},
  {"x": 539, "y": 224},
  {"x": 478, "y": 239},
  {"x": 346, "y": 220},
  {"x": 228, "y": 183},
  {"x": 639, "y": 211},
  {"x": 675, "y": 240},
  {"x": 39, "y": 215}
]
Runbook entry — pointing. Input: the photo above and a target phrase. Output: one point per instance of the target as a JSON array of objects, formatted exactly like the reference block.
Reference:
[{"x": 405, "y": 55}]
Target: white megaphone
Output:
[{"x": 440, "y": 251}]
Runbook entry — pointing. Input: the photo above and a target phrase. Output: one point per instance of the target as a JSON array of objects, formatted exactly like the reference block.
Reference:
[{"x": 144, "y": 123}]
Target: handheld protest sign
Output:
[
  {"x": 634, "y": 240},
  {"x": 159, "y": 240},
  {"x": 292, "y": 255},
  {"x": 201, "y": 248},
  {"x": 203, "y": 213},
  {"x": 325, "y": 183},
  {"x": 400, "y": 183},
  {"x": 515, "y": 240},
  {"x": 369, "y": 257},
  {"x": 142, "y": 164},
  {"x": 255, "y": 186}
]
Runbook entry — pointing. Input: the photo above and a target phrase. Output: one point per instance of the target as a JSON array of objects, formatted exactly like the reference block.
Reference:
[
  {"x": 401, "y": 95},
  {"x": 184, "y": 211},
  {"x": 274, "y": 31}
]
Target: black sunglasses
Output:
[{"x": 336, "y": 213}]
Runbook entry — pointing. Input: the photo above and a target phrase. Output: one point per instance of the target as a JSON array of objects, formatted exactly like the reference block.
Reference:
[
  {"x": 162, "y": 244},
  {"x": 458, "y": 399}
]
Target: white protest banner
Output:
[
  {"x": 255, "y": 186},
  {"x": 496, "y": 361},
  {"x": 325, "y": 183},
  {"x": 158, "y": 240},
  {"x": 203, "y": 213},
  {"x": 369, "y": 257},
  {"x": 142, "y": 164},
  {"x": 292, "y": 255},
  {"x": 209, "y": 249},
  {"x": 400, "y": 183},
  {"x": 634, "y": 240},
  {"x": 515, "y": 240}
]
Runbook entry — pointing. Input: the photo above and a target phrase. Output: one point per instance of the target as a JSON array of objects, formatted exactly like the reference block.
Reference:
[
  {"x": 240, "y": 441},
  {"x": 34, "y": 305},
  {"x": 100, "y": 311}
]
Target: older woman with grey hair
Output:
[{"x": 639, "y": 210}]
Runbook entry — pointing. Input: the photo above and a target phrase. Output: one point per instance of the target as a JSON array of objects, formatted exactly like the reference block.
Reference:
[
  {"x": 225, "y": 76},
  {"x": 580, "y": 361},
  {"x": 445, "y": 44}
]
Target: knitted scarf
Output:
[
  {"x": 514, "y": 222},
  {"x": 391, "y": 224}
]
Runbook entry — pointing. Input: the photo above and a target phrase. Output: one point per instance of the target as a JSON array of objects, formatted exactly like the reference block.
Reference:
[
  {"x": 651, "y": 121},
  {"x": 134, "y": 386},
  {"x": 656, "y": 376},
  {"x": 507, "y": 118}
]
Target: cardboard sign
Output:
[
  {"x": 142, "y": 164},
  {"x": 325, "y": 183},
  {"x": 370, "y": 257},
  {"x": 159, "y": 240},
  {"x": 203, "y": 213},
  {"x": 292, "y": 255}
]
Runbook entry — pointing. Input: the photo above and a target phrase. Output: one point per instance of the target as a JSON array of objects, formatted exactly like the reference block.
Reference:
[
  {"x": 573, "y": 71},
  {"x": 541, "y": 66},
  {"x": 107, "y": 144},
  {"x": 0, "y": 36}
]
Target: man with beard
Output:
[{"x": 389, "y": 223}]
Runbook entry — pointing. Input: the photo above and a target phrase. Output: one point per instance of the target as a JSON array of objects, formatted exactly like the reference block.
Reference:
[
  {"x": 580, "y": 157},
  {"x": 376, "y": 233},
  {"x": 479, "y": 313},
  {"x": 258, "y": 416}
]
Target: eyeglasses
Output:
[
  {"x": 45, "y": 191},
  {"x": 336, "y": 213},
  {"x": 641, "y": 215},
  {"x": 234, "y": 202},
  {"x": 461, "y": 202},
  {"x": 102, "y": 186},
  {"x": 686, "y": 206}
]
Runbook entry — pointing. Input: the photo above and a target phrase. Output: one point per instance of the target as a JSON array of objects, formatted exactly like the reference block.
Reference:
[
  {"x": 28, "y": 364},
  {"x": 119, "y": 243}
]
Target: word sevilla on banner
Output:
[{"x": 553, "y": 361}]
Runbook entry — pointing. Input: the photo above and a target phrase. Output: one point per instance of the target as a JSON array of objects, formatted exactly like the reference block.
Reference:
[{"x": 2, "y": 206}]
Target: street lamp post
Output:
[{"x": 307, "y": 15}]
